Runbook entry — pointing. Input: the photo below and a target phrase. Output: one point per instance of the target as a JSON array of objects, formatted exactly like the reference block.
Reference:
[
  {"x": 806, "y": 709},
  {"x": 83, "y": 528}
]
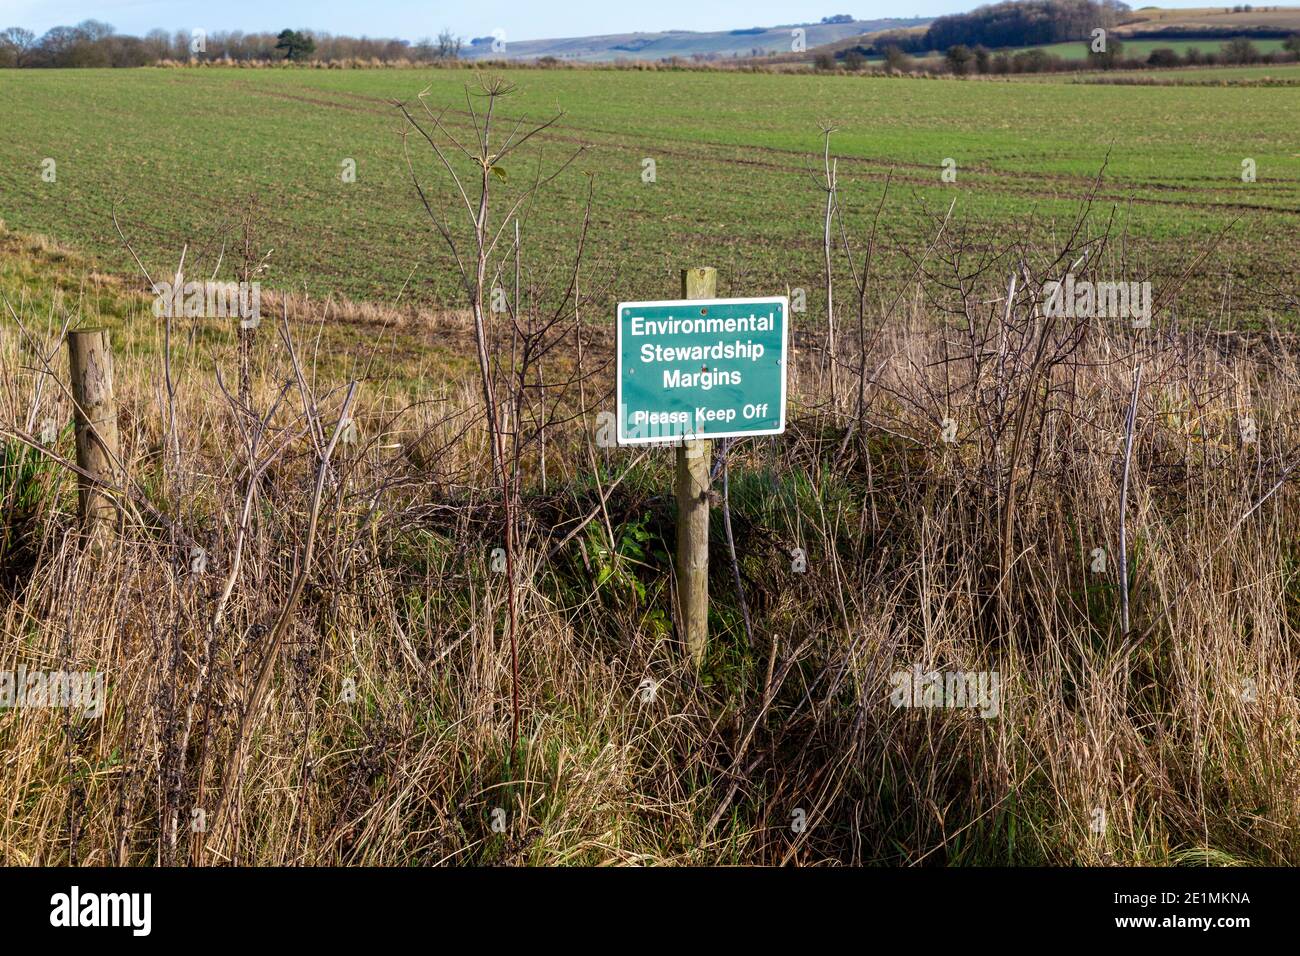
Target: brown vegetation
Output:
[{"x": 333, "y": 682}]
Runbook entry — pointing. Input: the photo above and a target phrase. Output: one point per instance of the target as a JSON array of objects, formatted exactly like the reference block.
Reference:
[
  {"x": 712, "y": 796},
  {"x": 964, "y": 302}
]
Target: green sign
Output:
[{"x": 701, "y": 368}]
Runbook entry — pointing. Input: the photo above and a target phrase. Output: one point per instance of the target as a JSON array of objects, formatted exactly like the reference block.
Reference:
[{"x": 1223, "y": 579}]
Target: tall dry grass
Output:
[
  {"x": 327, "y": 560},
  {"x": 383, "y": 735}
]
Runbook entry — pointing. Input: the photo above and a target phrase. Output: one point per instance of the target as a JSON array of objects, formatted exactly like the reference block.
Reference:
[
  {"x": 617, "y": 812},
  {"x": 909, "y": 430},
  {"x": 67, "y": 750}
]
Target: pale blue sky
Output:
[{"x": 412, "y": 19}]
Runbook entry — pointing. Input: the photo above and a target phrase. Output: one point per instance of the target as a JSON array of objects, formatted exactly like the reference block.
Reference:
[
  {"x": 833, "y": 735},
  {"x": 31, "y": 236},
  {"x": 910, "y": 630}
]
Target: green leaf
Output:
[{"x": 498, "y": 172}]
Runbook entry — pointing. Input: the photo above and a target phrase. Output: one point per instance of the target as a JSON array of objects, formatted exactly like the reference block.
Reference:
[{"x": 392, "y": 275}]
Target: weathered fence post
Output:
[
  {"x": 694, "y": 459},
  {"x": 90, "y": 367}
]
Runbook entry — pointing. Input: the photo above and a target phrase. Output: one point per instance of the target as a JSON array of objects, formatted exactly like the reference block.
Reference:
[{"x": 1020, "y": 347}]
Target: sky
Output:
[{"x": 413, "y": 19}]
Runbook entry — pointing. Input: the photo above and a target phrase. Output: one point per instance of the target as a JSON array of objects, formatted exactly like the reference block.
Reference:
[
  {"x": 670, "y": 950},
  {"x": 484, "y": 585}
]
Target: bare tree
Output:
[
  {"x": 15, "y": 43},
  {"x": 480, "y": 261},
  {"x": 448, "y": 46}
]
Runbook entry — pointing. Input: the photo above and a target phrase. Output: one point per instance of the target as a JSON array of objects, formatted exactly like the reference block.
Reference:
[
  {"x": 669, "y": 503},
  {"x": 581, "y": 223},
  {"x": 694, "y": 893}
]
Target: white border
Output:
[{"x": 704, "y": 303}]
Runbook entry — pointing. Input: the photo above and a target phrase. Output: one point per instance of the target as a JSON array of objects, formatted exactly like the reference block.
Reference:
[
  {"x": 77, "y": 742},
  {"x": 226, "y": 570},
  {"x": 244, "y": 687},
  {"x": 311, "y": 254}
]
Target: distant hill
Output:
[
  {"x": 741, "y": 42},
  {"x": 871, "y": 38},
  {"x": 1148, "y": 23}
]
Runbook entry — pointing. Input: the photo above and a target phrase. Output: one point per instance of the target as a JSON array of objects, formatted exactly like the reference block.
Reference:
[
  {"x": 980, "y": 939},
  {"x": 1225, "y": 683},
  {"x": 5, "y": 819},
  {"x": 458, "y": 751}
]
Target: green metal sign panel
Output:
[{"x": 701, "y": 368}]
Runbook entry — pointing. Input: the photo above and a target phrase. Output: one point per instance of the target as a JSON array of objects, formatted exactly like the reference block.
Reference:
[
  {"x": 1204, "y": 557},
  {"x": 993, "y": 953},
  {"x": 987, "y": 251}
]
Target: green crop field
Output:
[
  {"x": 1283, "y": 74},
  {"x": 180, "y": 152}
]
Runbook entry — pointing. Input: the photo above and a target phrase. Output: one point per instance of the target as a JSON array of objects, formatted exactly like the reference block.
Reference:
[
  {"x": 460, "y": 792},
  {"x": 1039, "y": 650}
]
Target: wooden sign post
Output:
[
  {"x": 694, "y": 460},
  {"x": 691, "y": 370}
]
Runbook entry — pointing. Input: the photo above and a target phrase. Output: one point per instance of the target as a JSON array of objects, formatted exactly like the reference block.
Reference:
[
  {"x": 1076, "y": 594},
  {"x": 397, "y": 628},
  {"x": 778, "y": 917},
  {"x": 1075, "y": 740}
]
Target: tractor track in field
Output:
[
  {"x": 365, "y": 257},
  {"x": 870, "y": 168}
]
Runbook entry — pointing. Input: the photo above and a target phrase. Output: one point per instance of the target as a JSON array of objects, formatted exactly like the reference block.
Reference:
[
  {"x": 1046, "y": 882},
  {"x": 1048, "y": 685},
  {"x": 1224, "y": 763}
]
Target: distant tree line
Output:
[
  {"x": 1208, "y": 33},
  {"x": 1018, "y": 23},
  {"x": 92, "y": 43},
  {"x": 1024, "y": 23},
  {"x": 962, "y": 60}
]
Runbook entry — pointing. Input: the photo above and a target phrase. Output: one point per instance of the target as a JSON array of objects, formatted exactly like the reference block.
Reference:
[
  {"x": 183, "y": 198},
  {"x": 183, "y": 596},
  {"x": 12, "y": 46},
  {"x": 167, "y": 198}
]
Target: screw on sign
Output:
[{"x": 690, "y": 370}]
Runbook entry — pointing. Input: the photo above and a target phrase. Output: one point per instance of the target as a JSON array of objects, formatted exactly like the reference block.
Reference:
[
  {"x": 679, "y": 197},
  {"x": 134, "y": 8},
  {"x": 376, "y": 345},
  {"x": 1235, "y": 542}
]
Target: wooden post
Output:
[
  {"x": 694, "y": 459},
  {"x": 90, "y": 366}
]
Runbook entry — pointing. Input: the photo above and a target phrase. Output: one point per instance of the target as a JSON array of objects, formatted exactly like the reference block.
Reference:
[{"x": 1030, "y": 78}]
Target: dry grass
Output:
[{"x": 971, "y": 555}]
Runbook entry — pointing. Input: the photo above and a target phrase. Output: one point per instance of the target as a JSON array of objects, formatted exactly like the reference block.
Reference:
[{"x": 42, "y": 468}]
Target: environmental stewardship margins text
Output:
[{"x": 701, "y": 368}]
